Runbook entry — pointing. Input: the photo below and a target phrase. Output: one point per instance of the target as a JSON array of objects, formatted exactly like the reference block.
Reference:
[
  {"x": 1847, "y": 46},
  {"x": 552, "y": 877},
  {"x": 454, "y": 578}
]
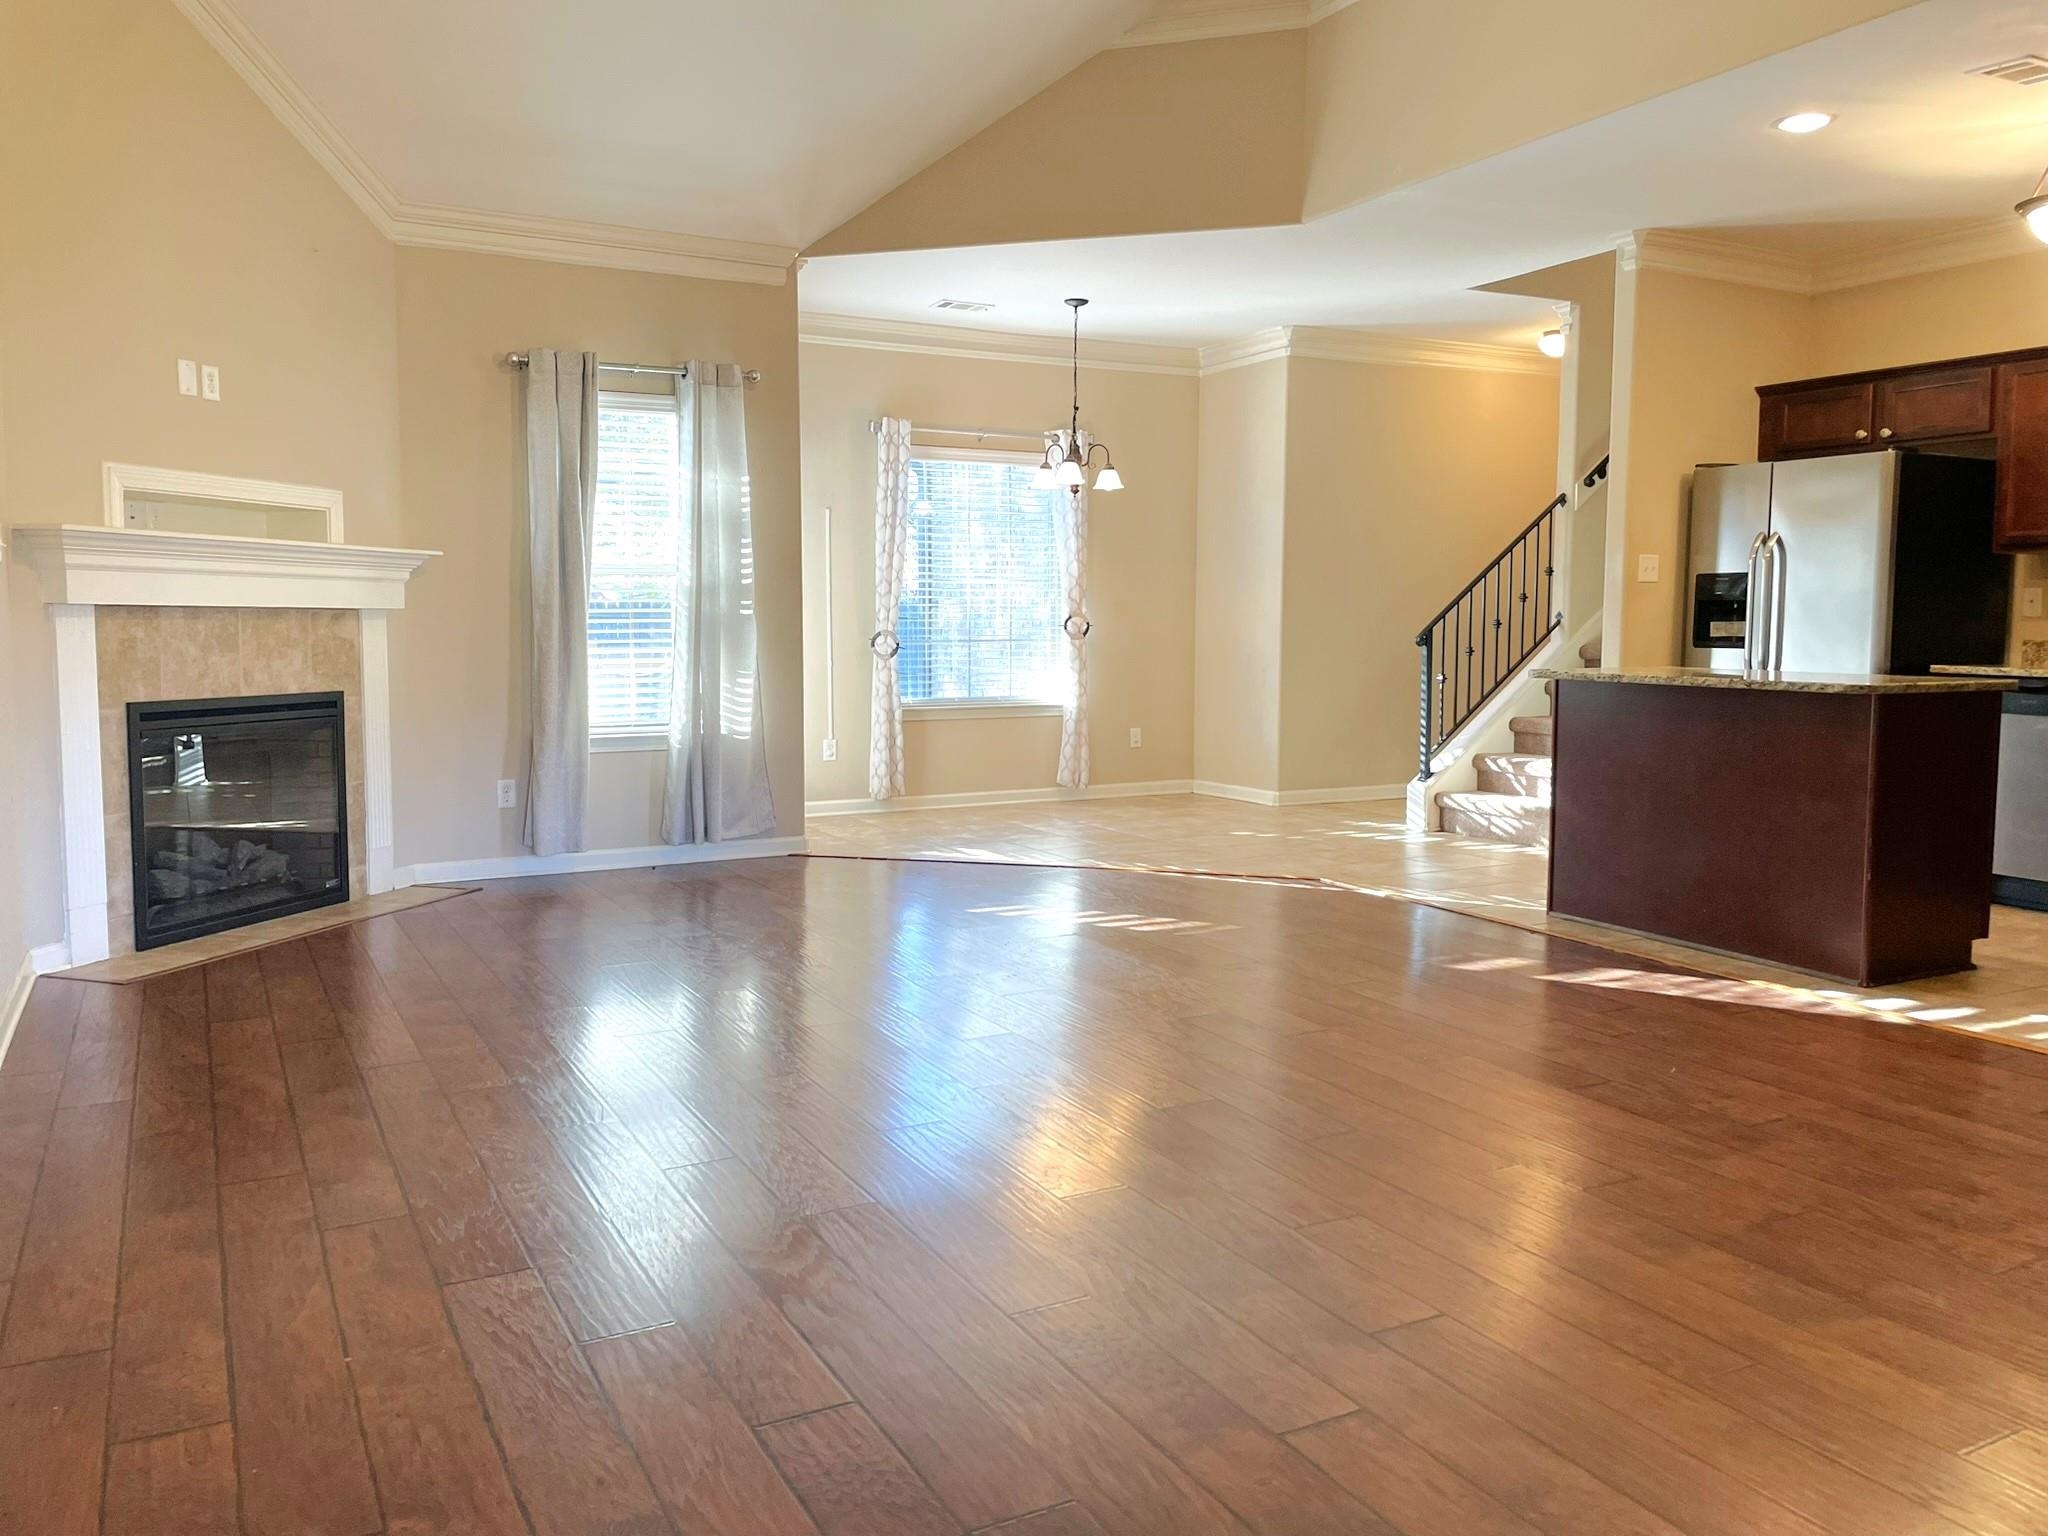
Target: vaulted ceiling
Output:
[{"x": 768, "y": 121}]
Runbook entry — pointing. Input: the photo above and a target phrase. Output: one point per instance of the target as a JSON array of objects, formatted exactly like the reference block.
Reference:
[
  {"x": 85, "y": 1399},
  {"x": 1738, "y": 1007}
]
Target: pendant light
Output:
[
  {"x": 1069, "y": 451},
  {"x": 2035, "y": 209}
]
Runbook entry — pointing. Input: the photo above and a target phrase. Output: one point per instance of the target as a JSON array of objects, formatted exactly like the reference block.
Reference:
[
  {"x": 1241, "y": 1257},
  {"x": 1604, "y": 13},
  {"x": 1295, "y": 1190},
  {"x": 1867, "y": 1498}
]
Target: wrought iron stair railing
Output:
[{"x": 1484, "y": 635}]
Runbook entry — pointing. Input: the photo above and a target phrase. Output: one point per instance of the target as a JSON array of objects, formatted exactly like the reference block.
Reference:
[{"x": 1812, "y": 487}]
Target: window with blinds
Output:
[
  {"x": 633, "y": 564},
  {"x": 980, "y": 616}
]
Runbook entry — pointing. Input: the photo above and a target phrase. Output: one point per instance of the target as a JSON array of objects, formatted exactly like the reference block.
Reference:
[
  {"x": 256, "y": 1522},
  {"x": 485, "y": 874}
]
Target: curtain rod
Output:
[
  {"x": 751, "y": 375},
  {"x": 1037, "y": 436}
]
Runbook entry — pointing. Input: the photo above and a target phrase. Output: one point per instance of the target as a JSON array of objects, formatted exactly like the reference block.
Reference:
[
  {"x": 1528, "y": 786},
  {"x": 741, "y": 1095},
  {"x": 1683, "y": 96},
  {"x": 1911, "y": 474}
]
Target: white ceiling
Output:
[
  {"x": 769, "y": 121},
  {"x": 1917, "y": 140}
]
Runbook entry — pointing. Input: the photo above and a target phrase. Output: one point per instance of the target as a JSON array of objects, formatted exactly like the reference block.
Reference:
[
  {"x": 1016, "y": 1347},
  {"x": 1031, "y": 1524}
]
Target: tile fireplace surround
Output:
[{"x": 142, "y": 615}]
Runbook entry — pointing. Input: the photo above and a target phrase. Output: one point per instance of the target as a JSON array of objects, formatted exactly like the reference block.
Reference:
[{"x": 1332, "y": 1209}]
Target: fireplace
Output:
[{"x": 238, "y": 811}]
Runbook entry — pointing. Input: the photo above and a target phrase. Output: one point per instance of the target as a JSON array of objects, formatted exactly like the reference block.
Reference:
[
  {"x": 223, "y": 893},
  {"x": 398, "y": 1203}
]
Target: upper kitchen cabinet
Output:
[
  {"x": 2022, "y": 520},
  {"x": 1998, "y": 400},
  {"x": 1932, "y": 403},
  {"x": 1828, "y": 418}
]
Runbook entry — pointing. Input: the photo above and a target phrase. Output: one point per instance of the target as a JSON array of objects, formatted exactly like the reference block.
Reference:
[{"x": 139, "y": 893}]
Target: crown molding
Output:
[
  {"x": 1732, "y": 261},
  {"x": 1717, "y": 258},
  {"x": 440, "y": 227},
  {"x": 1985, "y": 240},
  {"x": 1336, "y": 345},
  {"x": 934, "y": 340},
  {"x": 1185, "y": 23}
]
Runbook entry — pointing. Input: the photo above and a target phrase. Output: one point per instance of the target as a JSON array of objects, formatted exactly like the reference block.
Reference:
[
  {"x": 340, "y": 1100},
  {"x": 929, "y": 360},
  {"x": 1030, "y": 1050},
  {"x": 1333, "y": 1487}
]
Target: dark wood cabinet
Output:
[
  {"x": 2022, "y": 456},
  {"x": 1828, "y": 419},
  {"x": 1998, "y": 401},
  {"x": 1934, "y": 403}
]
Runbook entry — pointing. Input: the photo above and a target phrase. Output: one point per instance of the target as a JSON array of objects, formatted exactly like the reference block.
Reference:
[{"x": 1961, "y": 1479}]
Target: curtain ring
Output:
[
  {"x": 881, "y": 637},
  {"x": 1071, "y": 620}
]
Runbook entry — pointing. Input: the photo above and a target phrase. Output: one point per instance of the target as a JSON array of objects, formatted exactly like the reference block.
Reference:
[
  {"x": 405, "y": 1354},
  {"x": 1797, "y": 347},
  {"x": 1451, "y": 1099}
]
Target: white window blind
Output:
[
  {"x": 980, "y": 616},
  {"x": 633, "y": 564}
]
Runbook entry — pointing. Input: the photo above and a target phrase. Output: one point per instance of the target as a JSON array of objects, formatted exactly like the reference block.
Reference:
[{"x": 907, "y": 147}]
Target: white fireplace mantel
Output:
[
  {"x": 84, "y": 566},
  {"x": 151, "y": 568}
]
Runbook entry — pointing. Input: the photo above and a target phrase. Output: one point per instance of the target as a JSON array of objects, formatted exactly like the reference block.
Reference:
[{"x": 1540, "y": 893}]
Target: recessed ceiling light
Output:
[{"x": 1804, "y": 122}]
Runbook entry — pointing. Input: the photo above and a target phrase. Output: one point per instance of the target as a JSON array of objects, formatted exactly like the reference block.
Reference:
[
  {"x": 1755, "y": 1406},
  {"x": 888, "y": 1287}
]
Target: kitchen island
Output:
[{"x": 1835, "y": 824}]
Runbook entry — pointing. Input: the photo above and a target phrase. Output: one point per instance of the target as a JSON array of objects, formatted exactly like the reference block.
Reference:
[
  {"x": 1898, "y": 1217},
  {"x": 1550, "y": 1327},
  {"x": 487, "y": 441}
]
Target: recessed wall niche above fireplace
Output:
[{"x": 238, "y": 811}]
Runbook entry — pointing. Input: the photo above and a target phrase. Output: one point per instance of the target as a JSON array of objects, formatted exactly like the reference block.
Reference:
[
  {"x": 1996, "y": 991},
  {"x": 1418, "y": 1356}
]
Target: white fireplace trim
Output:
[
  {"x": 83, "y": 567},
  {"x": 152, "y": 568}
]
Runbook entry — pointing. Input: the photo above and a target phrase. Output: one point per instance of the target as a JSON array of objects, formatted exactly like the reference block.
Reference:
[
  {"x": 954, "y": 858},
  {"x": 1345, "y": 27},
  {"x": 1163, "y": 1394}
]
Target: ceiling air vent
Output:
[
  {"x": 2028, "y": 69},
  {"x": 964, "y": 306}
]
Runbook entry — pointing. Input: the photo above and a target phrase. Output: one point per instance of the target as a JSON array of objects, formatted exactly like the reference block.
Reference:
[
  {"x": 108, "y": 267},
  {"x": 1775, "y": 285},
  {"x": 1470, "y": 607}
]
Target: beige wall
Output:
[
  {"x": 1201, "y": 135},
  {"x": 1695, "y": 350},
  {"x": 1240, "y": 519},
  {"x": 459, "y": 689},
  {"x": 1403, "y": 90},
  {"x": 153, "y": 209},
  {"x": 1141, "y": 568},
  {"x": 1402, "y": 482}
]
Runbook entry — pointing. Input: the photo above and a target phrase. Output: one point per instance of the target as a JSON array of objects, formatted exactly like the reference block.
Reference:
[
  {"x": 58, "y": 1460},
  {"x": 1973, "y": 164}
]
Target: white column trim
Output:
[
  {"x": 375, "y": 647},
  {"x": 84, "y": 812}
]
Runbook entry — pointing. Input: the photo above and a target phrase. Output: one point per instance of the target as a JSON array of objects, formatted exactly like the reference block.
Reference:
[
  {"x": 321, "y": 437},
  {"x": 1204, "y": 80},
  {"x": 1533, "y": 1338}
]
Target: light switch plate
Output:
[
  {"x": 1137, "y": 736},
  {"x": 2030, "y": 603},
  {"x": 1647, "y": 567},
  {"x": 188, "y": 376}
]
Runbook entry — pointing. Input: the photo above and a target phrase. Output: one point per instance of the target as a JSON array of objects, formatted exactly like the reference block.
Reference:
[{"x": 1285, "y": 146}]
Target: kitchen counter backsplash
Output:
[{"x": 2034, "y": 653}]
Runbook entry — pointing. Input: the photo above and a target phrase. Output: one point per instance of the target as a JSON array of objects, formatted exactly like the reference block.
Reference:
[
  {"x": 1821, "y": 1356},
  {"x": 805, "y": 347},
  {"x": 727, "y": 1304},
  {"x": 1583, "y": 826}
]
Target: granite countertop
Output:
[
  {"x": 2021, "y": 673},
  {"x": 1784, "y": 682}
]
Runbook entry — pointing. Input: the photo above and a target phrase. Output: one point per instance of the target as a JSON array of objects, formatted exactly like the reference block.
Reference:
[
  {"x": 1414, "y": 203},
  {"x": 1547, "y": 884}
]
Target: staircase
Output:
[{"x": 1512, "y": 802}]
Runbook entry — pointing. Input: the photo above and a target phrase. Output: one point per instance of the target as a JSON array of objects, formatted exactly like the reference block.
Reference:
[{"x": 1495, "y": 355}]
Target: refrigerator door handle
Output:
[
  {"x": 1775, "y": 553},
  {"x": 1753, "y": 614}
]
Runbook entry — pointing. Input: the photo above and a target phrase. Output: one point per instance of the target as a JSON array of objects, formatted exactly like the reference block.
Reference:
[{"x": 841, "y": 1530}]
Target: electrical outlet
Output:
[
  {"x": 829, "y": 750},
  {"x": 508, "y": 794},
  {"x": 2030, "y": 603},
  {"x": 1137, "y": 736},
  {"x": 209, "y": 381},
  {"x": 188, "y": 376},
  {"x": 1647, "y": 567}
]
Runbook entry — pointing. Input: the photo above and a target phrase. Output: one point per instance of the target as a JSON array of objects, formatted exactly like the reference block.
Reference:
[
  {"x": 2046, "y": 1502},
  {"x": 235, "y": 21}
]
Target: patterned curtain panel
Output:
[
  {"x": 717, "y": 783},
  {"x": 892, "y": 541},
  {"x": 1073, "y": 539},
  {"x": 561, "y": 492}
]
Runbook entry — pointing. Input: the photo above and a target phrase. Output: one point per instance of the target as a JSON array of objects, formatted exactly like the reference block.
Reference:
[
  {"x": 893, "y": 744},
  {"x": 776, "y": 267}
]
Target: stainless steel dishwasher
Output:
[{"x": 2019, "y": 858}]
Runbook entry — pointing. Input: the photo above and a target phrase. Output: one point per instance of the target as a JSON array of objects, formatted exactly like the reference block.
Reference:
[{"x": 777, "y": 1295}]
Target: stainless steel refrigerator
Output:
[{"x": 1862, "y": 563}]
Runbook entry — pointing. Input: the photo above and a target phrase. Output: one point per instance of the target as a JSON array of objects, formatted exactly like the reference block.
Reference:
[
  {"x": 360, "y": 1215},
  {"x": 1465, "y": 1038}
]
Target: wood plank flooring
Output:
[
  {"x": 835, "y": 1196},
  {"x": 1366, "y": 848}
]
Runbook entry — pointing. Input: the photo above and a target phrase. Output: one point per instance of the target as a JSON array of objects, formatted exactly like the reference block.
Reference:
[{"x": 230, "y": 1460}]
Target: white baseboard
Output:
[
  {"x": 39, "y": 961},
  {"x": 996, "y": 797},
  {"x": 1344, "y": 795},
  {"x": 512, "y": 866}
]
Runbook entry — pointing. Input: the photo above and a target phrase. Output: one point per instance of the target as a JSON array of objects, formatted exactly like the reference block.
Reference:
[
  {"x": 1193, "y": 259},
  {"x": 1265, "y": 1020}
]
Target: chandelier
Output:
[{"x": 1070, "y": 451}]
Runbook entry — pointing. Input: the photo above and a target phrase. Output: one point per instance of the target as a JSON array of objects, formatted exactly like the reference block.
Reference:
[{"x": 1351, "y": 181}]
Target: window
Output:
[
  {"x": 633, "y": 564},
  {"x": 981, "y": 609}
]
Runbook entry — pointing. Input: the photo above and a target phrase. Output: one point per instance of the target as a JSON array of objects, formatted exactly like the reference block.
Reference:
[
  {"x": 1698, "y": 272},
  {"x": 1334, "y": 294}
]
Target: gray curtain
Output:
[
  {"x": 717, "y": 782},
  {"x": 561, "y": 493}
]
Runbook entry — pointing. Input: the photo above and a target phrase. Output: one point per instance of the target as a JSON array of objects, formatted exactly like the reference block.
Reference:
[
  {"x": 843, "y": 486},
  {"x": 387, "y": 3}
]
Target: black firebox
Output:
[{"x": 238, "y": 811}]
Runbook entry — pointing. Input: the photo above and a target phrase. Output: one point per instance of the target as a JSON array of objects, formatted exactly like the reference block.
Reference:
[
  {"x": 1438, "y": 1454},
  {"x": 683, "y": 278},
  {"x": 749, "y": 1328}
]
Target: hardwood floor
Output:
[
  {"x": 1366, "y": 848},
  {"x": 837, "y": 1196}
]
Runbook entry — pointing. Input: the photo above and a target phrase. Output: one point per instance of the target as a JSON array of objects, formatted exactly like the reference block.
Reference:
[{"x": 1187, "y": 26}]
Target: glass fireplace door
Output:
[{"x": 238, "y": 811}]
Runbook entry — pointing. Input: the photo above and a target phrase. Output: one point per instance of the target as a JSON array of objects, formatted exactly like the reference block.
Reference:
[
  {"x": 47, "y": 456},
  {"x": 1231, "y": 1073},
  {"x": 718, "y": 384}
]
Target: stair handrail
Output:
[
  {"x": 1496, "y": 640},
  {"x": 1596, "y": 474}
]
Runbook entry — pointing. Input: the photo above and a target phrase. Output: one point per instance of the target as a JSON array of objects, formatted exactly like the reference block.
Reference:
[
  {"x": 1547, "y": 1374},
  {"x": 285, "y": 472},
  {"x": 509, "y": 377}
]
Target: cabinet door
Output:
[
  {"x": 1827, "y": 420},
  {"x": 1935, "y": 403},
  {"x": 2022, "y": 455}
]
